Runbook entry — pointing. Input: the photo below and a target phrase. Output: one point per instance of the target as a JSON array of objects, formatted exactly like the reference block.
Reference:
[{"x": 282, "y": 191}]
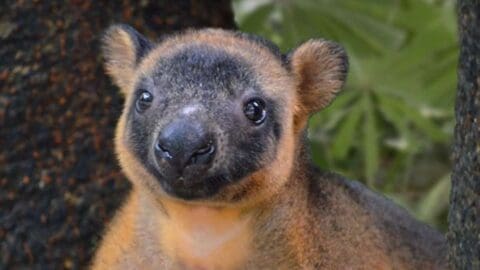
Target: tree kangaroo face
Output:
[
  {"x": 201, "y": 120},
  {"x": 210, "y": 115}
]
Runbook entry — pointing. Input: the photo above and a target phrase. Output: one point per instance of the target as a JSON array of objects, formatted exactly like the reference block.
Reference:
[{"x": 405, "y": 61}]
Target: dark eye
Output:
[
  {"x": 255, "y": 111},
  {"x": 144, "y": 101}
]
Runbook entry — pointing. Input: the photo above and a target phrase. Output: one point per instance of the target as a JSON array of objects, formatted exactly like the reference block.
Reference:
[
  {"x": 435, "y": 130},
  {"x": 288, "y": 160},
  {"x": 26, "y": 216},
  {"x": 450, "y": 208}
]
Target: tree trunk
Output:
[
  {"x": 464, "y": 217},
  {"x": 59, "y": 181}
]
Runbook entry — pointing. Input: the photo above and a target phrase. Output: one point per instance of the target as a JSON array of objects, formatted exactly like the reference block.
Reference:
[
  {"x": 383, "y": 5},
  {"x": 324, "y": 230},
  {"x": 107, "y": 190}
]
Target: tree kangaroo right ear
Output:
[{"x": 320, "y": 68}]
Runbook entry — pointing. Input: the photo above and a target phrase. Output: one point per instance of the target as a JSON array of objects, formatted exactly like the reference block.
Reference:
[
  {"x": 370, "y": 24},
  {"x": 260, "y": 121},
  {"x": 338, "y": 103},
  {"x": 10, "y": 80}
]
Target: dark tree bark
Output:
[
  {"x": 59, "y": 181},
  {"x": 464, "y": 217}
]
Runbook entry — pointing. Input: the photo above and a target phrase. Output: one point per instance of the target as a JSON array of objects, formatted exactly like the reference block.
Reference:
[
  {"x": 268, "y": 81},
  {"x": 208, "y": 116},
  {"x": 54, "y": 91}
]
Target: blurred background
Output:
[
  {"x": 391, "y": 128},
  {"x": 60, "y": 184}
]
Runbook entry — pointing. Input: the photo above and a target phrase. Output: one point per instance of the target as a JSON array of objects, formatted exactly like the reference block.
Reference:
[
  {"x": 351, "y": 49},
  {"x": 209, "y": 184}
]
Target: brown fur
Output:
[{"x": 284, "y": 216}]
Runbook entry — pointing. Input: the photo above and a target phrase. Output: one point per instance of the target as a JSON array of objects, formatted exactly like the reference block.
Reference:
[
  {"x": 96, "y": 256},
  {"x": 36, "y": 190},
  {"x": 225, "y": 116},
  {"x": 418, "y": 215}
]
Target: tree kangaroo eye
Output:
[
  {"x": 144, "y": 101},
  {"x": 254, "y": 110}
]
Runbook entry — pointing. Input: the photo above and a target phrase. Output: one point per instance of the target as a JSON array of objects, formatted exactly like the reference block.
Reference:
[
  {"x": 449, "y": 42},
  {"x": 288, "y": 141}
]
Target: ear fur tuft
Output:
[
  {"x": 320, "y": 68},
  {"x": 123, "y": 48}
]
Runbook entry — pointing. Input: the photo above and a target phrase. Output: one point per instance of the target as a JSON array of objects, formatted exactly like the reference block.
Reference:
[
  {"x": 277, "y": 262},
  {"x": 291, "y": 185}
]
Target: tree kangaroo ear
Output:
[
  {"x": 320, "y": 69},
  {"x": 123, "y": 48}
]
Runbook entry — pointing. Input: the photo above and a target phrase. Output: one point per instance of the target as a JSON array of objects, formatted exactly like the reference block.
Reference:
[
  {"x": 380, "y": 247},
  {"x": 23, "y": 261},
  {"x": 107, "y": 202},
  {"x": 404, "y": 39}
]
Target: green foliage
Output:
[{"x": 391, "y": 127}]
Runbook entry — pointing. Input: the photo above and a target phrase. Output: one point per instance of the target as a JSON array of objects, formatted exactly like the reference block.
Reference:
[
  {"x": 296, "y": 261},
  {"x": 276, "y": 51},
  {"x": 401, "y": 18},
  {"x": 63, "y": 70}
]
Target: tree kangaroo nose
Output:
[{"x": 183, "y": 143}]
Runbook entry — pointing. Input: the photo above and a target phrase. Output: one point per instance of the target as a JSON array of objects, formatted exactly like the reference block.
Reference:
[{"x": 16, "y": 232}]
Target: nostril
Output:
[
  {"x": 204, "y": 154},
  {"x": 162, "y": 151},
  {"x": 208, "y": 149}
]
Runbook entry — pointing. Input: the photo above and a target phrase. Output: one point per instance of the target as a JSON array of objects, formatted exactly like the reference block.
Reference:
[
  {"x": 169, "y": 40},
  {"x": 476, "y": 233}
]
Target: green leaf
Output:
[
  {"x": 319, "y": 157},
  {"x": 413, "y": 115},
  {"x": 370, "y": 141},
  {"x": 331, "y": 117},
  {"x": 436, "y": 200},
  {"x": 380, "y": 35},
  {"x": 347, "y": 132},
  {"x": 424, "y": 124}
]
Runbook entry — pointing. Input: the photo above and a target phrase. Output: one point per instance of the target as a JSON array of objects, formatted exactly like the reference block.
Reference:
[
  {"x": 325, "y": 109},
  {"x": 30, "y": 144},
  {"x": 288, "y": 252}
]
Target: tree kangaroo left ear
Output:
[
  {"x": 320, "y": 68},
  {"x": 123, "y": 48}
]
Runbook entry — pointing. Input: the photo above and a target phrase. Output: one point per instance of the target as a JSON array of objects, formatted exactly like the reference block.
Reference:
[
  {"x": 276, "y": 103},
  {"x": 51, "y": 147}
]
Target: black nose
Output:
[{"x": 183, "y": 143}]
